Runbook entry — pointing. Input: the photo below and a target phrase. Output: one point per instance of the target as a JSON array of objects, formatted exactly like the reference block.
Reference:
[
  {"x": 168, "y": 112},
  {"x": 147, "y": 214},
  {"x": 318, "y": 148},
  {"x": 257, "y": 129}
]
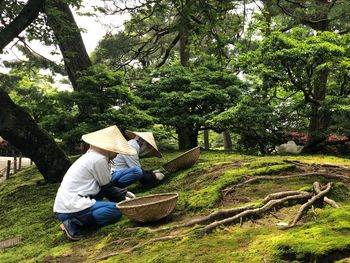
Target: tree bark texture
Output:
[
  {"x": 319, "y": 120},
  {"x": 227, "y": 141},
  {"x": 184, "y": 49},
  {"x": 16, "y": 125},
  {"x": 206, "y": 139},
  {"x": 61, "y": 20},
  {"x": 187, "y": 137},
  {"x": 19, "y": 128}
]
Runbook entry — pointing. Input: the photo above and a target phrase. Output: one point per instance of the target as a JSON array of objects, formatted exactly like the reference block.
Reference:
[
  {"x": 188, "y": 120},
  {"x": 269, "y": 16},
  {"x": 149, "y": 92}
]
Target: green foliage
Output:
[
  {"x": 34, "y": 92},
  {"x": 288, "y": 72},
  {"x": 103, "y": 95},
  {"x": 261, "y": 123},
  {"x": 153, "y": 33},
  {"x": 186, "y": 97}
]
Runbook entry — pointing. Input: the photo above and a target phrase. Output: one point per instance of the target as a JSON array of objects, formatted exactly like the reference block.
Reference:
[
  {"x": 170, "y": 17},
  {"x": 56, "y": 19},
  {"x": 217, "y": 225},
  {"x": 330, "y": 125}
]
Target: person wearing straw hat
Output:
[
  {"x": 78, "y": 203},
  {"x": 145, "y": 146}
]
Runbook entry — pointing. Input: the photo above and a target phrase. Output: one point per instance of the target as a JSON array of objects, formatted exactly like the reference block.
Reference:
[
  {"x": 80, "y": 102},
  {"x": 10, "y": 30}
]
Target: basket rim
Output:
[
  {"x": 171, "y": 196},
  {"x": 195, "y": 148}
]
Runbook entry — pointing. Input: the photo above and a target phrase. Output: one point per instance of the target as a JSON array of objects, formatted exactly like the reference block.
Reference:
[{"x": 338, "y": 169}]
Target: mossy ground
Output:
[{"x": 26, "y": 209}]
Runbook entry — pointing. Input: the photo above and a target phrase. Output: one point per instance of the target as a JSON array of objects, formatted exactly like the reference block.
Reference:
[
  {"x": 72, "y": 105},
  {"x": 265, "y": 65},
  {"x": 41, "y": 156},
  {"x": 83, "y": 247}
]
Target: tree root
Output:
[
  {"x": 228, "y": 216},
  {"x": 258, "y": 178},
  {"x": 206, "y": 219},
  {"x": 310, "y": 202},
  {"x": 327, "y": 200},
  {"x": 254, "y": 212},
  {"x": 282, "y": 194}
]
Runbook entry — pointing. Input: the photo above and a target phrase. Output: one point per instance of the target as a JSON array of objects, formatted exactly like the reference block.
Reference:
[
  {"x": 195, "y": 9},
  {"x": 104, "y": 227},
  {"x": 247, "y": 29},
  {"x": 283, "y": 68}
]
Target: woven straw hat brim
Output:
[
  {"x": 110, "y": 139},
  {"x": 148, "y": 137}
]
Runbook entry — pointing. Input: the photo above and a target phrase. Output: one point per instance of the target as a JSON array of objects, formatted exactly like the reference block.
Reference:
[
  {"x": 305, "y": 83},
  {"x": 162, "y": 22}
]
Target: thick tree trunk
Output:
[
  {"x": 184, "y": 50},
  {"x": 227, "y": 141},
  {"x": 206, "y": 139},
  {"x": 16, "y": 125},
  {"x": 319, "y": 120},
  {"x": 187, "y": 137},
  {"x": 19, "y": 128},
  {"x": 61, "y": 20}
]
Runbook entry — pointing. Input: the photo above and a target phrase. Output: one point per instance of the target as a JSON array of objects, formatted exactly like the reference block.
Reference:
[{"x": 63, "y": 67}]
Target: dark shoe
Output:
[{"x": 71, "y": 230}]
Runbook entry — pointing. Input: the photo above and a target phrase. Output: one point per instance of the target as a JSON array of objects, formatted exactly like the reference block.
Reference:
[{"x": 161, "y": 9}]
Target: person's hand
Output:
[
  {"x": 129, "y": 195},
  {"x": 160, "y": 176}
]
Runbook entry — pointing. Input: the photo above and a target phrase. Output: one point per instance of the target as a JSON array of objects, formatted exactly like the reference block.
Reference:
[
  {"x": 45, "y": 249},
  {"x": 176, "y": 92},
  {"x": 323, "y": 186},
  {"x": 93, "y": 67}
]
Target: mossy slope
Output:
[{"x": 26, "y": 209}]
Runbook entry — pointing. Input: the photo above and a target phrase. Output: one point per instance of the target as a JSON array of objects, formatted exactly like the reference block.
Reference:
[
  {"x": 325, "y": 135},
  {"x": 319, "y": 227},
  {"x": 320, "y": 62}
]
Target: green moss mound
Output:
[
  {"x": 26, "y": 210},
  {"x": 325, "y": 240}
]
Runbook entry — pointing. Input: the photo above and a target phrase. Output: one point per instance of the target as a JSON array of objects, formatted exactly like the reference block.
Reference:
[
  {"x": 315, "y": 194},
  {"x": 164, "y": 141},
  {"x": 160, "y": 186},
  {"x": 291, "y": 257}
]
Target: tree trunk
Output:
[
  {"x": 61, "y": 20},
  {"x": 319, "y": 120},
  {"x": 227, "y": 141},
  {"x": 206, "y": 139},
  {"x": 188, "y": 138},
  {"x": 27, "y": 15},
  {"x": 184, "y": 50},
  {"x": 19, "y": 128},
  {"x": 16, "y": 125},
  {"x": 267, "y": 13}
]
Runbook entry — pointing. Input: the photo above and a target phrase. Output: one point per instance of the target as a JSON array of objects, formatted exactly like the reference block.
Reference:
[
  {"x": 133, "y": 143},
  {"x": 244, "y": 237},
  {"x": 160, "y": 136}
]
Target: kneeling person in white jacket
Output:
[{"x": 78, "y": 202}]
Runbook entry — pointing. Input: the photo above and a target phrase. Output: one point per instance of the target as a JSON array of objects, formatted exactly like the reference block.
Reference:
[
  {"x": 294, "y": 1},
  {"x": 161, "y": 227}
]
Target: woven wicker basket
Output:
[
  {"x": 149, "y": 208},
  {"x": 183, "y": 161}
]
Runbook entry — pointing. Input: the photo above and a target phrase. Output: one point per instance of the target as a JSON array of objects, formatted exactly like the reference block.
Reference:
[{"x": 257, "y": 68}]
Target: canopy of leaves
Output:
[
  {"x": 295, "y": 61},
  {"x": 152, "y": 34},
  {"x": 105, "y": 94},
  {"x": 188, "y": 96}
]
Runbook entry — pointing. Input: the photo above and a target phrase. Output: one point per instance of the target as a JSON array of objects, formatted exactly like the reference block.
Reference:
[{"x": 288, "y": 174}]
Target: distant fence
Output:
[{"x": 12, "y": 166}]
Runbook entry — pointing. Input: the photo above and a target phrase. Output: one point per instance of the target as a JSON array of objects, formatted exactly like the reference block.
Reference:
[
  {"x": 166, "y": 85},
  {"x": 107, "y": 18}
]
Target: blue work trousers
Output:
[{"x": 104, "y": 212}]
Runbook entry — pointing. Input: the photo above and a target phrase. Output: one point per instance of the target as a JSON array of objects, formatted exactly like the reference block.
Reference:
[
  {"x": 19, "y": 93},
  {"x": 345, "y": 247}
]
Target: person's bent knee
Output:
[
  {"x": 107, "y": 215},
  {"x": 137, "y": 171}
]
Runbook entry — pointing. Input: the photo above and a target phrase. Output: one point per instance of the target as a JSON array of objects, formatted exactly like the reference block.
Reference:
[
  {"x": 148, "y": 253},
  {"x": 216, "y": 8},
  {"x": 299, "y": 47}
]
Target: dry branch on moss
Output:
[
  {"x": 255, "y": 212},
  {"x": 310, "y": 202},
  {"x": 260, "y": 178},
  {"x": 332, "y": 203},
  {"x": 217, "y": 215},
  {"x": 281, "y": 194}
]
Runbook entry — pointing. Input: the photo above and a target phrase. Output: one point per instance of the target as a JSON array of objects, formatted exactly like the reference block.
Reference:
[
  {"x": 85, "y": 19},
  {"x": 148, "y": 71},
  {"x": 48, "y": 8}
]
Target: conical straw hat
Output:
[
  {"x": 148, "y": 137},
  {"x": 110, "y": 139}
]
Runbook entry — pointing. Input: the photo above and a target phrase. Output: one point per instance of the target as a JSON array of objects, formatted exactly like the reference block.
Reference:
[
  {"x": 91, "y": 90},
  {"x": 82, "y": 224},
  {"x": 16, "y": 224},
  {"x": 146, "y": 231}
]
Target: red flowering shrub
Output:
[
  {"x": 301, "y": 138},
  {"x": 298, "y": 137}
]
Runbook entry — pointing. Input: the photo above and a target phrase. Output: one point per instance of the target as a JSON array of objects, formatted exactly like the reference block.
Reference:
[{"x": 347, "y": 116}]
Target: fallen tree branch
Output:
[
  {"x": 209, "y": 218},
  {"x": 331, "y": 202},
  {"x": 258, "y": 178},
  {"x": 256, "y": 211},
  {"x": 281, "y": 194},
  {"x": 309, "y": 203}
]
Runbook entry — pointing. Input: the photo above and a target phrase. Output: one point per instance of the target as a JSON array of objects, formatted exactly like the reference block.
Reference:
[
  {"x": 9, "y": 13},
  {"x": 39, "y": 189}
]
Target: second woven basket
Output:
[{"x": 183, "y": 161}]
